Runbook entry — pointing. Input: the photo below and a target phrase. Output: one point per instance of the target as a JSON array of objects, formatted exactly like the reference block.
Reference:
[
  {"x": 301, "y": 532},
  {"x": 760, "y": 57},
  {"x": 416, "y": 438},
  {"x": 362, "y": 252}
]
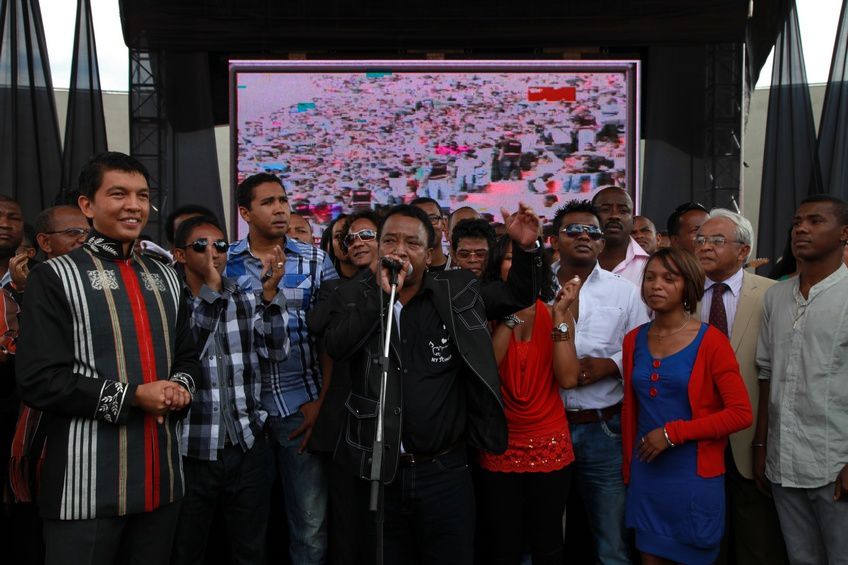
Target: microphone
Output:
[{"x": 394, "y": 266}]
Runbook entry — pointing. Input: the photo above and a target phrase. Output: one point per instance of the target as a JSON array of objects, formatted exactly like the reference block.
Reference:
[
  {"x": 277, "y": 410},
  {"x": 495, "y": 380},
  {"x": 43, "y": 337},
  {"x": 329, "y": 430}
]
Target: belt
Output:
[
  {"x": 411, "y": 459},
  {"x": 593, "y": 416}
]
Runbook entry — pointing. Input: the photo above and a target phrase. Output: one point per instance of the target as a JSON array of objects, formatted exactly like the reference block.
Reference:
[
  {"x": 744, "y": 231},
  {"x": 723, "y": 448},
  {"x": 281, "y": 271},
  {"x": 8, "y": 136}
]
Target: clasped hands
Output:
[{"x": 160, "y": 397}]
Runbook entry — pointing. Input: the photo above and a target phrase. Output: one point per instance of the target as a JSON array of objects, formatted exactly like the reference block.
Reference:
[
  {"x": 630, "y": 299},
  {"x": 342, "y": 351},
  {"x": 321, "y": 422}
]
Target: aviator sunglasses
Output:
[
  {"x": 363, "y": 235},
  {"x": 576, "y": 230},
  {"x": 201, "y": 244}
]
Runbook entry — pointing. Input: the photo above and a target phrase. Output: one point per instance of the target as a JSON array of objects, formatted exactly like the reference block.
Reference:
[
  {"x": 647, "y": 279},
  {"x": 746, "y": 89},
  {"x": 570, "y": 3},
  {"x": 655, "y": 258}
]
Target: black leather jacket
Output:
[{"x": 353, "y": 337}]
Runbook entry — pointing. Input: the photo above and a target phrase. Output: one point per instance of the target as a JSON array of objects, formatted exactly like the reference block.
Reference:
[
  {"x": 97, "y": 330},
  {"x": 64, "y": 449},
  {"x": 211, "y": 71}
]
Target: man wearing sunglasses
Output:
[
  {"x": 473, "y": 240},
  {"x": 359, "y": 242},
  {"x": 360, "y": 239},
  {"x": 607, "y": 307},
  {"x": 226, "y": 456}
]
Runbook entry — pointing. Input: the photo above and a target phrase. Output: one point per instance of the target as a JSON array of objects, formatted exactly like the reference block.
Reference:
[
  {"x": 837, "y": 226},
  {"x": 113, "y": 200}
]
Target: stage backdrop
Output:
[{"x": 348, "y": 135}]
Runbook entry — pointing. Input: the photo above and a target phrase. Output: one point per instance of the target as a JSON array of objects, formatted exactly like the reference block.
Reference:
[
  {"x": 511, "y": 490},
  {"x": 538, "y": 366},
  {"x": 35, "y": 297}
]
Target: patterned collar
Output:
[{"x": 106, "y": 247}]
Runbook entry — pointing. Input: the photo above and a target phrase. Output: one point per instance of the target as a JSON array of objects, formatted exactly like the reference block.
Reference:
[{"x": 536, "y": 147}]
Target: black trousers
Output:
[
  {"x": 137, "y": 539},
  {"x": 518, "y": 506},
  {"x": 350, "y": 538},
  {"x": 429, "y": 513},
  {"x": 237, "y": 487}
]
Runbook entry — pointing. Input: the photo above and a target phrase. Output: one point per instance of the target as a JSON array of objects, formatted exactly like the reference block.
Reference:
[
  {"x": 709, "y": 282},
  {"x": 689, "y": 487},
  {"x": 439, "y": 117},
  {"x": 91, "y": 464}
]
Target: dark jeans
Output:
[
  {"x": 512, "y": 504},
  {"x": 429, "y": 513},
  {"x": 137, "y": 539},
  {"x": 238, "y": 486}
]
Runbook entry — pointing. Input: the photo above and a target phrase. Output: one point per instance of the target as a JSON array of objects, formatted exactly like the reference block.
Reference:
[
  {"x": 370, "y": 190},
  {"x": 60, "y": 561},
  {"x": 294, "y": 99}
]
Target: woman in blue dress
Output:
[{"x": 683, "y": 397}]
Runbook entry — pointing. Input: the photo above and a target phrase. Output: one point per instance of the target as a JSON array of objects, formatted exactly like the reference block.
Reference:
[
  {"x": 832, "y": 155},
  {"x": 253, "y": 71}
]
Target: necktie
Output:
[{"x": 718, "y": 315}]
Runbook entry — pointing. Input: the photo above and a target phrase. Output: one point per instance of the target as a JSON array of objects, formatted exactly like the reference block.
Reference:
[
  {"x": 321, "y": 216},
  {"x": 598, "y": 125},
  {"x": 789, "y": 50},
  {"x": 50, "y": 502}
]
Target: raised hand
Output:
[
  {"x": 19, "y": 270},
  {"x": 524, "y": 226},
  {"x": 566, "y": 297},
  {"x": 211, "y": 276},
  {"x": 273, "y": 272}
]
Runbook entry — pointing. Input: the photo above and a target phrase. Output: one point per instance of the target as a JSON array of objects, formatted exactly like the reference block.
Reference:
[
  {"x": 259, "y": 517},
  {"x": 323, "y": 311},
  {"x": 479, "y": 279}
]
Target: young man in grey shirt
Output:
[{"x": 801, "y": 444}]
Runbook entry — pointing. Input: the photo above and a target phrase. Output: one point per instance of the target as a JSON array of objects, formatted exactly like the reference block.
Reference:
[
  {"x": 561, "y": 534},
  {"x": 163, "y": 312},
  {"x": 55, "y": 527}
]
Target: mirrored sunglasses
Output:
[
  {"x": 363, "y": 235},
  {"x": 201, "y": 244},
  {"x": 576, "y": 230}
]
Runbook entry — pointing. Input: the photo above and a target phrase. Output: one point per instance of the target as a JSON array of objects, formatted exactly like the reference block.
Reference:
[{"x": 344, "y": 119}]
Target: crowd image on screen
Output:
[{"x": 381, "y": 139}]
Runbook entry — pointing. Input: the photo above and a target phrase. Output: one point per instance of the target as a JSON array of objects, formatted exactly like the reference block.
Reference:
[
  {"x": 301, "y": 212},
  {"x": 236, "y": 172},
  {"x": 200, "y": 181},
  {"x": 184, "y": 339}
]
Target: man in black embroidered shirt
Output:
[
  {"x": 106, "y": 353},
  {"x": 449, "y": 389}
]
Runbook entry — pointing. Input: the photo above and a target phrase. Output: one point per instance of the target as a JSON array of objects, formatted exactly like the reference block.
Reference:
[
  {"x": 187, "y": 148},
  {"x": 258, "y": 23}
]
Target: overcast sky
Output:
[{"x": 818, "y": 19}]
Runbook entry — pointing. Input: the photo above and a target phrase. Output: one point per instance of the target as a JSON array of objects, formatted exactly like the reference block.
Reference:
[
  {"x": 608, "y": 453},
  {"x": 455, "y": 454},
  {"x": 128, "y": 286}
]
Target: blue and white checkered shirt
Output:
[
  {"x": 289, "y": 384},
  {"x": 234, "y": 334}
]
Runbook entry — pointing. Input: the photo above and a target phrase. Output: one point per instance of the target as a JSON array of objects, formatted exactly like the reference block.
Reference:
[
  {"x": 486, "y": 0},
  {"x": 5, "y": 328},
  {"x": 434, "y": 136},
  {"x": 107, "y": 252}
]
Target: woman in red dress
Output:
[{"x": 525, "y": 488}]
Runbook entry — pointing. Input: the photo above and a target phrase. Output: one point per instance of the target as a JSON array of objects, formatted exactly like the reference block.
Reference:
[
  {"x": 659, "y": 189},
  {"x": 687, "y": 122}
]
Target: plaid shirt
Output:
[
  {"x": 289, "y": 384},
  {"x": 234, "y": 333}
]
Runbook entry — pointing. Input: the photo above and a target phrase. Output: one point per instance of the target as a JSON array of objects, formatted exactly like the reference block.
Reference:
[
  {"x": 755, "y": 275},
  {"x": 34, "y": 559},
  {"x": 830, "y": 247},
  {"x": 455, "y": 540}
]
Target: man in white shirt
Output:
[
  {"x": 733, "y": 302},
  {"x": 607, "y": 307},
  {"x": 801, "y": 442},
  {"x": 621, "y": 254}
]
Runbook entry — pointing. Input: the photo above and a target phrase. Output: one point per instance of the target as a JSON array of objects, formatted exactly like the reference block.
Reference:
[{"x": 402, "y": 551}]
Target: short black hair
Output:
[
  {"x": 572, "y": 207},
  {"x": 673, "y": 223},
  {"x": 473, "y": 227},
  {"x": 188, "y": 226},
  {"x": 91, "y": 176},
  {"x": 411, "y": 211},
  {"x": 244, "y": 191},
  {"x": 840, "y": 207},
  {"x": 179, "y": 211},
  {"x": 426, "y": 200}
]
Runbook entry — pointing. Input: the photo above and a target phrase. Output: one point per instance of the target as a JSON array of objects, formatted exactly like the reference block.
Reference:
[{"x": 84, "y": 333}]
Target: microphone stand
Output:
[{"x": 377, "y": 449}]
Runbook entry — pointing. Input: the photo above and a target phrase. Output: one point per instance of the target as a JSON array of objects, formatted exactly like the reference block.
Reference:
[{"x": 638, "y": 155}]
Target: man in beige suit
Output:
[{"x": 733, "y": 302}]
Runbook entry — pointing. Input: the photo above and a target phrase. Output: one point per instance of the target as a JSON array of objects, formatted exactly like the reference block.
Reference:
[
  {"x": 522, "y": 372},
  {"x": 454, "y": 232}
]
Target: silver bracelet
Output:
[{"x": 667, "y": 439}]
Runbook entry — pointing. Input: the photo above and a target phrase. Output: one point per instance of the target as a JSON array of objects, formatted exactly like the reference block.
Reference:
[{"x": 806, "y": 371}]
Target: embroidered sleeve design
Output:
[
  {"x": 185, "y": 380},
  {"x": 111, "y": 399}
]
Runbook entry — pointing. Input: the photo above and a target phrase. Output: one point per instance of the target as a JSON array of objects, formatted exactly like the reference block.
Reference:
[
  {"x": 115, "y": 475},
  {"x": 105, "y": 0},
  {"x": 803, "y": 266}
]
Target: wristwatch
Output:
[
  {"x": 512, "y": 320},
  {"x": 560, "y": 332}
]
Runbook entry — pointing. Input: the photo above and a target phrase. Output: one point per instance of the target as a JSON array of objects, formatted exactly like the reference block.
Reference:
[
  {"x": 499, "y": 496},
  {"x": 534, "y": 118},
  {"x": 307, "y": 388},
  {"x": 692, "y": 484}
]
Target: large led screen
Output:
[{"x": 349, "y": 135}]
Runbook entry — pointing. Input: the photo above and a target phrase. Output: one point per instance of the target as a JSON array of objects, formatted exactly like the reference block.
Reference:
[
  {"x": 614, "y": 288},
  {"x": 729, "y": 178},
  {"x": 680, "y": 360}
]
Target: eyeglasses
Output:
[
  {"x": 71, "y": 232},
  {"x": 468, "y": 253},
  {"x": 434, "y": 218},
  {"x": 576, "y": 230},
  {"x": 363, "y": 235},
  {"x": 714, "y": 240},
  {"x": 201, "y": 244}
]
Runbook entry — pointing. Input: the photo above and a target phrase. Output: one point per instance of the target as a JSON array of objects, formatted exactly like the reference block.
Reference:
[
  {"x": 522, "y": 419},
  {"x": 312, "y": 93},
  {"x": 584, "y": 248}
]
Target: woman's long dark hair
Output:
[
  {"x": 496, "y": 257},
  {"x": 327, "y": 241}
]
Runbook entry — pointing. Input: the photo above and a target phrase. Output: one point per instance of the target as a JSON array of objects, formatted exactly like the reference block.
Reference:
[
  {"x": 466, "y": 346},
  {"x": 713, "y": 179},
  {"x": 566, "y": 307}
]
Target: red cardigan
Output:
[{"x": 717, "y": 396}]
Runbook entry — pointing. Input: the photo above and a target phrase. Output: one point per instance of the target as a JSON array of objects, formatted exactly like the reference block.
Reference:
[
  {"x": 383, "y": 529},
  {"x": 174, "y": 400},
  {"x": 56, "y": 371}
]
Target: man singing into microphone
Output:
[{"x": 442, "y": 390}]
